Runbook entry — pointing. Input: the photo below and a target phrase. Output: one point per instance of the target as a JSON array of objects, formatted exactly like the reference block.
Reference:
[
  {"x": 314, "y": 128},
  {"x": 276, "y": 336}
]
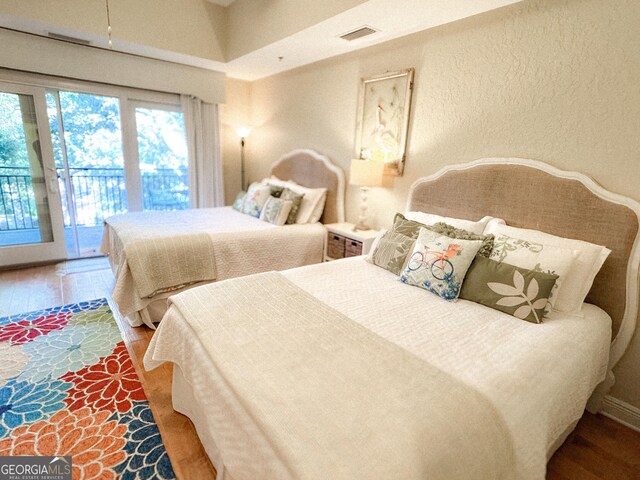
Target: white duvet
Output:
[
  {"x": 242, "y": 244},
  {"x": 539, "y": 377}
]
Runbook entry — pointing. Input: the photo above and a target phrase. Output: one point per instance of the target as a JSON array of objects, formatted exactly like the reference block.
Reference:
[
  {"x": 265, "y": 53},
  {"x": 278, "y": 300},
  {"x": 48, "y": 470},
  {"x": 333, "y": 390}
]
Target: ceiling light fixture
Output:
[{"x": 109, "y": 25}]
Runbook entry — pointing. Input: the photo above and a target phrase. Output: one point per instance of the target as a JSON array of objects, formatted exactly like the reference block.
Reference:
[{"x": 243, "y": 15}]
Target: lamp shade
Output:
[{"x": 366, "y": 173}]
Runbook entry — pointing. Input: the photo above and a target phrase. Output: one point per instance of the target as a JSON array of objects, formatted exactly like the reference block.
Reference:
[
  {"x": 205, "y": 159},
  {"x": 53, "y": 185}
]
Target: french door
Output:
[
  {"x": 82, "y": 153},
  {"x": 31, "y": 224}
]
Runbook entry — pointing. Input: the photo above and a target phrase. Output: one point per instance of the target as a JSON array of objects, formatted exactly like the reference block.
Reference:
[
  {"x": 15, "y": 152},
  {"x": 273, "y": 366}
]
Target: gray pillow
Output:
[
  {"x": 517, "y": 291},
  {"x": 453, "y": 232},
  {"x": 392, "y": 250},
  {"x": 410, "y": 228},
  {"x": 296, "y": 200},
  {"x": 276, "y": 191}
]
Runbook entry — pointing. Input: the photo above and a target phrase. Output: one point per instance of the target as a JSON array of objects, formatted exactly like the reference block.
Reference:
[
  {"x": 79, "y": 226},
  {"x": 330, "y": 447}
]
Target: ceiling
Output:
[{"x": 390, "y": 19}]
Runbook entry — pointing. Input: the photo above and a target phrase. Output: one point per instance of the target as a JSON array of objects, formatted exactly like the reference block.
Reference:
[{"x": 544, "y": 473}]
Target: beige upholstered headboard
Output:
[
  {"x": 311, "y": 169},
  {"x": 531, "y": 194}
]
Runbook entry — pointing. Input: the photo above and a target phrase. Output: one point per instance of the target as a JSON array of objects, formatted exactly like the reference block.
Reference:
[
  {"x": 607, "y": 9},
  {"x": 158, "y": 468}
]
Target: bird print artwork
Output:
[
  {"x": 386, "y": 123},
  {"x": 383, "y": 122}
]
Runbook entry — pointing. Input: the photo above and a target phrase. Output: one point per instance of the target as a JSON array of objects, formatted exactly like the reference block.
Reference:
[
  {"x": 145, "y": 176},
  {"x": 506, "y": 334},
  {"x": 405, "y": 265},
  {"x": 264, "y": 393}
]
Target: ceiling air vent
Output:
[
  {"x": 358, "y": 33},
  {"x": 67, "y": 38}
]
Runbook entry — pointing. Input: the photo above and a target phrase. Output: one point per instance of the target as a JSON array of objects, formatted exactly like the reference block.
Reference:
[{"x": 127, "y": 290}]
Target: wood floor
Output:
[{"x": 599, "y": 448}]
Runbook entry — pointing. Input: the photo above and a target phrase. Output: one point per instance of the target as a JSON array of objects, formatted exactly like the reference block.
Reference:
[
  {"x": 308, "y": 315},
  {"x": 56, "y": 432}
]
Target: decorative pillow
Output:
[
  {"x": 257, "y": 195},
  {"x": 296, "y": 199},
  {"x": 276, "y": 191},
  {"x": 391, "y": 248},
  {"x": 517, "y": 291},
  {"x": 410, "y": 228},
  {"x": 538, "y": 257},
  {"x": 391, "y": 251},
  {"x": 471, "y": 226},
  {"x": 577, "y": 284},
  {"x": 453, "y": 232},
  {"x": 439, "y": 263},
  {"x": 276, "y": 210},
  {"x": 237, "y": 203}
]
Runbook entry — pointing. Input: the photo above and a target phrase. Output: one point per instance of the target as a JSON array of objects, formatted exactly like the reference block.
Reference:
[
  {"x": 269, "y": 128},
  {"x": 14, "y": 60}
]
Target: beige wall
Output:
[
  {"x": 21, "y": 51},
  {"x": 234, "y": 114},
  {"x": 552, "y": 80},
  {"x": 191, "y": 27}
]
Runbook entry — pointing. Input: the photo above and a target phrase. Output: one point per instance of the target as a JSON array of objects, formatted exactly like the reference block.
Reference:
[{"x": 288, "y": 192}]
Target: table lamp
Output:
[{"x": 366, "y": 174}]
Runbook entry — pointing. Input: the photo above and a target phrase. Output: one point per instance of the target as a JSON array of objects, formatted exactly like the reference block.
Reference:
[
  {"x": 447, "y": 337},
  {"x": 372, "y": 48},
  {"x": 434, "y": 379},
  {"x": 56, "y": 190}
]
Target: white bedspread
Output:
[
  {"x": 242, "y": 244},
  {"x": 539, "y": 377}
]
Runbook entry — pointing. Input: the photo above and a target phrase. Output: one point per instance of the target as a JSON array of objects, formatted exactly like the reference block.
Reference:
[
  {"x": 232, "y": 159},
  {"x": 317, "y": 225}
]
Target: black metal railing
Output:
[
  {"x": 97, "y": 192},
  {"x": 17, "y": 199}
]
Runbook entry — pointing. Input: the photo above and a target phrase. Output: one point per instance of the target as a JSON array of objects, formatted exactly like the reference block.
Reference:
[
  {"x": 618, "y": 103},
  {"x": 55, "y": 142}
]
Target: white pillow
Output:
[
  {"x": 319, "y": 208},
  {"x": 374, "y": 245},
  {"x": 468, "y": 225},
  {"x": 577, "y": 284},
  {"x": 279, "y": 183}
]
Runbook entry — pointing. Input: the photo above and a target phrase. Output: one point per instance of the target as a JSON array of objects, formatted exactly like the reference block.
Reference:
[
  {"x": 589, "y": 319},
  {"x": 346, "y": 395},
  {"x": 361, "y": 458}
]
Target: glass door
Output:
[
  {"x": 87, "y": 142},
  {"x": 31, "y": 227},
  {"x": 162, "y": 156}
]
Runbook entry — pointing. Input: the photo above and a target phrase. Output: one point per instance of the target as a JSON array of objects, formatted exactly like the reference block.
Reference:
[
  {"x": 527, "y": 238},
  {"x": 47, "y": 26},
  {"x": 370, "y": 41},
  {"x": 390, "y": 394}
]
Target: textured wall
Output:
[
  {"x": 234, "y": 114},
  {"x": 191, "y": 27},
  {"x": 553, "y": 80}
]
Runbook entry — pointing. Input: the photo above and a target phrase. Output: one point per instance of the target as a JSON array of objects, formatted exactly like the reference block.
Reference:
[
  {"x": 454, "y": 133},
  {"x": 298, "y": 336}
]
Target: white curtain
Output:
[{"x": 205, "y": 160}]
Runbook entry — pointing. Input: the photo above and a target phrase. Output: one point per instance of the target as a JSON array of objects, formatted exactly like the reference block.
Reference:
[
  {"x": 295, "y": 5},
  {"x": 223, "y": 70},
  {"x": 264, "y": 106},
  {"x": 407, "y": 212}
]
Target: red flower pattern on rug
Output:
[
  {"x": 95, "y": 443},
  {"x": 25, "y": 331},
  {"x": 111, "y": 384}
]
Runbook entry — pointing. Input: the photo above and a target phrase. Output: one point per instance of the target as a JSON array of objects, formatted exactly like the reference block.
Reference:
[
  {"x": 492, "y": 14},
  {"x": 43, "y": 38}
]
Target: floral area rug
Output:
[{"x": 68, "y": 387}]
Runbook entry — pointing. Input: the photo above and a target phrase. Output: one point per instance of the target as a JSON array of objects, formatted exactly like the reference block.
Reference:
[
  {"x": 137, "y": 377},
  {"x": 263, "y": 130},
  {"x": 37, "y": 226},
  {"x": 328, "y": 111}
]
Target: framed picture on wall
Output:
[{"x": 383, "y": 119}]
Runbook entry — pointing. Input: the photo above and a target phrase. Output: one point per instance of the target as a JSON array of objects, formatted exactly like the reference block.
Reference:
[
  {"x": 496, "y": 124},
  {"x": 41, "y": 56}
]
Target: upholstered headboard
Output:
[
  {"x": 311, "y": 169},
  {"x": 531, "y": 194}
]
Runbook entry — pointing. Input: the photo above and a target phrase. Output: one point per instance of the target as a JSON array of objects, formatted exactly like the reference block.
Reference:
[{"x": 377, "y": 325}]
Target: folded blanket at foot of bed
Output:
[{"x": 160, "y": 253}]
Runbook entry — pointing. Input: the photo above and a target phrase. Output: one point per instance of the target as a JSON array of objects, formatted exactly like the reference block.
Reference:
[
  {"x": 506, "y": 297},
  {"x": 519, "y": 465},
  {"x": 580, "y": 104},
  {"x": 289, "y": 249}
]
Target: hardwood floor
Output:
[{"x": 599, "y": 448}]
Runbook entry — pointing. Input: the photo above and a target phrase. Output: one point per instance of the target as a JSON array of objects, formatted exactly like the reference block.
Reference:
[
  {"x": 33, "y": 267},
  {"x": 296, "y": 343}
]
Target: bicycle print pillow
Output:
[{"x": 439, "y": 263}]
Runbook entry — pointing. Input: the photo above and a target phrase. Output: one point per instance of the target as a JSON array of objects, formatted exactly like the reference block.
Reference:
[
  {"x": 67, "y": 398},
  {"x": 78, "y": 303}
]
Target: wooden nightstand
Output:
[{"x": 343, "y": 242}]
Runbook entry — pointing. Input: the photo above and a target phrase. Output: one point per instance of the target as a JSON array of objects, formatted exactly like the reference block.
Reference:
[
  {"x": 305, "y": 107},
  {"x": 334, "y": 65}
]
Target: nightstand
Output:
[{"x": 343, "y": 242}]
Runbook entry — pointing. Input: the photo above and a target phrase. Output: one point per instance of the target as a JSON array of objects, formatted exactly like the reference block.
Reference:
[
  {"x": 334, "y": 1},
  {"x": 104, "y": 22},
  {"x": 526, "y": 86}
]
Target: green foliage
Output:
[
  {"x": 13, "y": 152},
  {"x": 93, "y": 141},
  {"x": 92, "y": 130}
]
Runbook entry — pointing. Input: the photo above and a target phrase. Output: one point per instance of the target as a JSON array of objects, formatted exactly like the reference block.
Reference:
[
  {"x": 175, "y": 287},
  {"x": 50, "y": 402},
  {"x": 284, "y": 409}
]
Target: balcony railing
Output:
[{"x": 98, "y": 193}]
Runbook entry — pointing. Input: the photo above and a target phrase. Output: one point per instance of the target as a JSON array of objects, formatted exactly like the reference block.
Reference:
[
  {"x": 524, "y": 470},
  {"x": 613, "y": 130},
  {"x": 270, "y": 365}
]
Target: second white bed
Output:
[{"x": 538, "y": 377}]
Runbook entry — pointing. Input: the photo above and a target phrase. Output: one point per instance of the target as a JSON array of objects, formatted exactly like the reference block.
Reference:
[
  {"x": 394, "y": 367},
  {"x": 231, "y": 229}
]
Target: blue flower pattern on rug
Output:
[
  {"x": 22, "y": 403},
  {"x": 146, "y": 455}
]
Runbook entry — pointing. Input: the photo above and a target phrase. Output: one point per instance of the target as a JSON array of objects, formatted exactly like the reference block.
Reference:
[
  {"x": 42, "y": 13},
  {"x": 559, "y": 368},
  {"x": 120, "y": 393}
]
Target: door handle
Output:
[{"x": 52, "y": 182}]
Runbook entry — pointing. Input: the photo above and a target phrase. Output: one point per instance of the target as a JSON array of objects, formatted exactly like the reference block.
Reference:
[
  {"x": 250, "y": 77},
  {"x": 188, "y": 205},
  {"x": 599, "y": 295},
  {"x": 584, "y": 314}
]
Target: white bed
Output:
[
  {"x": 242, "y": 244},
  {"x": 538, "y": 377}
]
